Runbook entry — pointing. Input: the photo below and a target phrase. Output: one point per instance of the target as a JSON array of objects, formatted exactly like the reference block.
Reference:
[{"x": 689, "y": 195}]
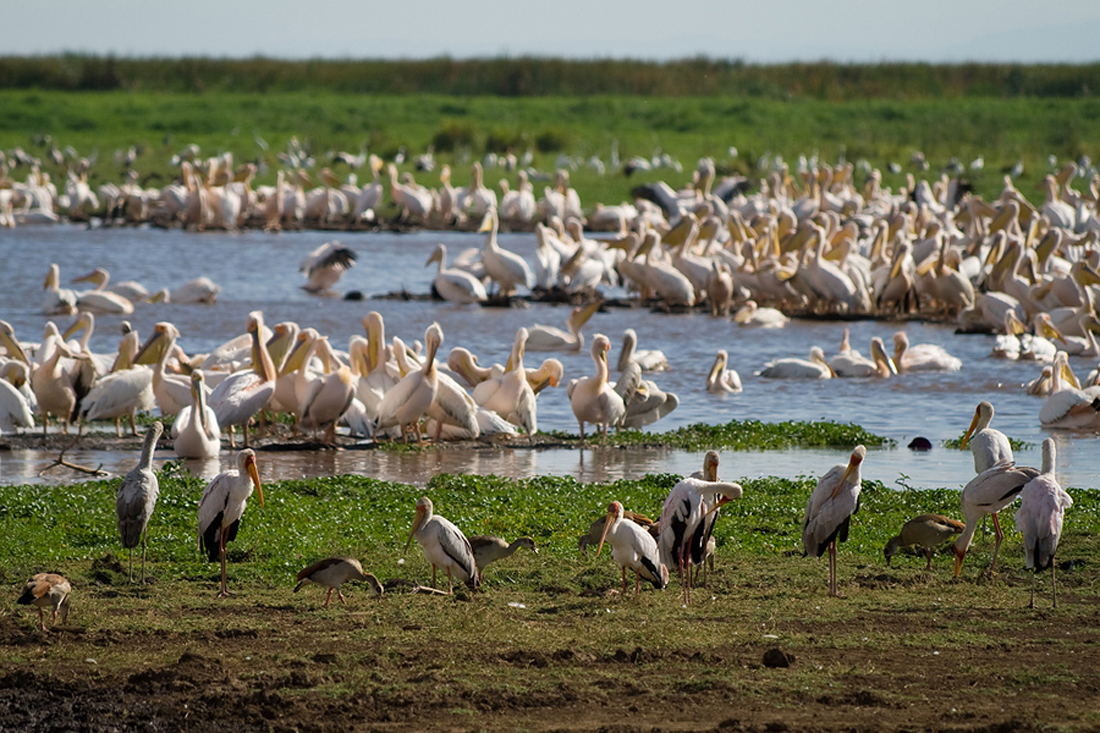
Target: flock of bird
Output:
[{"x": 681, "y": 540}]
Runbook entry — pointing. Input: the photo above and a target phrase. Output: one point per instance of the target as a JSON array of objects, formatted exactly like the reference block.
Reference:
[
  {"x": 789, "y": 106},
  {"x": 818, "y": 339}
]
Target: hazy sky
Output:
[{"x": 758, "y": 31}]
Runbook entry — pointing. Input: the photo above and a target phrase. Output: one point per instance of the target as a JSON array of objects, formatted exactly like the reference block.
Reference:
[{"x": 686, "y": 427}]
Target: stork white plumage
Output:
[
  {"x": 830, "y": 509},
  {"x": 989, "y": 446},
  {"x": 1043, "y": 503},
  {"x": 632, "y": 547},
  {"x": 988, "y": 493},
  {"x": 137, "y": 497},
  {"x": 444, "y": 545},
  {"x": 222, "y": 506},
  {"x": 683, "y": 530}
]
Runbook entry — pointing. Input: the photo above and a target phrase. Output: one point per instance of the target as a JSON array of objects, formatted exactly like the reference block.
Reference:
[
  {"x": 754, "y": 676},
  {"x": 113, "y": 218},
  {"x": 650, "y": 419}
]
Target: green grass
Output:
[{"x": 1004, "y": 130}]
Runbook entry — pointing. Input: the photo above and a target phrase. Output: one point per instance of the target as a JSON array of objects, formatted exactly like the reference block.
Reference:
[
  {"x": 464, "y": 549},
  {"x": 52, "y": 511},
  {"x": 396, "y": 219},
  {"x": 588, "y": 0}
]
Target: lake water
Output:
[{"x": 260, "y": 271}]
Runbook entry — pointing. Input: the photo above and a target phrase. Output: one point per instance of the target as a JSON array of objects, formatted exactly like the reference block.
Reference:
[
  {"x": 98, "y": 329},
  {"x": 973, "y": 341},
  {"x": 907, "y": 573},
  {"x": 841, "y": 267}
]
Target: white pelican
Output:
[
  {"x": 1007, "y": 344},
  {"x": 131, "y": 290},
  {"x": 592, "y": 398},
  {"x": 506, "y": 268},
  {"x": 488, "y": 549},
  {"x": 513, "y": 398},
  {"x": 928, "y": 531},
  {"x": 57, "y": 301},
  {"x": 47, "y": 590},
  {"x": 99, "y": 300},
  {"x": 137, "y": 497},
  {"x": 750, "y": 314},
  {"x": 333, "y": 572},
  {"x": 52, "y": 385},
  {"x": 791, "y": 368},
  {"x": 457, "y": 286},
  {"x": 1043, "y": 503},
  {"x": 720, "y": 378},
  {"x": 323, "y": 399},
  {"x": 172, "y": 391},
  {"x": 15, "y": 410},
  {"x": 632, "y": 547},
  {"x": 444, "y": 545},
  {"x": 684, "y": 529},
  {"x": 549, "y": 338},
  {"x": 988, "y": 493},
  {"x": 1042, "y": 384},
  {"x": 830, "y": 510},
  {"x": 650, "y": 360},
  {"x": 196, "y": 433},
  {"x": 1068, "y": 407},
  {"x": 645, "y": 401},
  {"x": 1040, "y": 347},
  {"x": 85, "y": 321},
  {"x": 454, "y": 411},
  {"x": 922, "y": 357},
  {"x": 406, "y": 402},
  {"x": 989, "y": 446},
  {"x": 413, "y": 200},
  {"x": 325, "y": 266},
  {"x": 222, "y": 506},
  {"x": 201, "y": 290},
  {"x": 244, "y": 393},
  {"x": 127, "y": 390},
  {"x": 852, "y": 364}
]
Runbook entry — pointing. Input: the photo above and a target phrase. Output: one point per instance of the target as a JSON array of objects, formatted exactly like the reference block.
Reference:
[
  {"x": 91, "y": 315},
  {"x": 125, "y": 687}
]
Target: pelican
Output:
[
  {"x": 683, "y": 537},
  {"x": 244, "y": 393},
  {"x": 989, "y": 446},
  {"x": 720, "y": 379},
  {"x": 15, "y": 410},
  {"x": 487, "y": 549},
  {"x": 633, "y": 547},
  {"x": 325, "y": 266},
  {"x": 928, "y": 531},
  {"x": 47, "y": 590},
  {"x": 200, "y": 291},
  {"x": 512, "y": 397},
  {"x": 131, "y": 290},
  {"x": 57, "y": 301},
  {"x": 444, "y": 545},
  {"x": 548, "y": 338},
  {"x": 102, "y": 301},
  {"x": 172, "y": 391},
  {"x": 1007, "y": 344},
  {"x": 750, "y": 314},
  {"x": 592, "y": 398},
  {"x": 852, "y": 364},
  {"x": 128, "y": 389},
  {"x": 453, "y": 285},
  {"x": 645, "y": 401},
  {"x": 52, "y": 385},
  {"x": 137, "y": 497},
  {"x": 790, "y": 368},
  {"x": 1040, "y": 347},
  {"x": 1043, "y": 503},
  {"x": 323, "y": 399},
  {"x": 1068, "y": 407},
  {"x": 988, "y": 493},
  {"x": 651, "y": 360},
  {"x": 922, "y": 357},
  {"x": 222, "y": 506},
  {"x": 406, "y": 402},
  {"x": 196, "y": 433},
  {"x": 506, "y": 268},
  {"x": 333, "y": 572},
  {"x": 830, "y": 509}
]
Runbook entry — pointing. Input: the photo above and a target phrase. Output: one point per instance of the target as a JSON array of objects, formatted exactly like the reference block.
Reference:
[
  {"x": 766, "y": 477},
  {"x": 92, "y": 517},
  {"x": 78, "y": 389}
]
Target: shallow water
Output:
[{"x": 260, "y": 271}]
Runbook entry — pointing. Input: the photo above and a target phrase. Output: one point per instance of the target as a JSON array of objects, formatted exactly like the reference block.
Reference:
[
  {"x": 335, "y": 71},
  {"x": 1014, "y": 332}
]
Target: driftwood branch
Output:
[{"x": 60, "y": 461}]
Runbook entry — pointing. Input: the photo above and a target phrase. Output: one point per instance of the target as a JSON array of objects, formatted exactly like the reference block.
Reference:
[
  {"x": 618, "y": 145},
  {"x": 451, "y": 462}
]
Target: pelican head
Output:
[
  {"x": 881, "y": 358},
  {"x": 98, "y": 277},
  {"x": 164, "y": 334},
  {"x": 7, "y": 338},
  {"x": 614, "y": 513},
  {"x": 439, "y": 255},
  {"x": 423, "y": 513}
]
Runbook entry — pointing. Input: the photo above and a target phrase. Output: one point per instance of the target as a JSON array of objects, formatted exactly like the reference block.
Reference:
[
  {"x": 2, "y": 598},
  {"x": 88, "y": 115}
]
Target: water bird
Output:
[
  {"x": 487, "y": 549},
  {"x": 444, "y": 545},
  {"x": 830, "y": 509},
  {"x": 333, "y": 572},
  {"x": 928, "y": 531},
  {"x": 632, "y": 547},
  {"x": 137, "y": 497},
  {"x": 47, "y": 590},
  {"x": 325, "y": 266},
  {"x": 222, "y": 506},
  {"x": 1043, "y": 503},
  {"x": 592, "y": 398}
]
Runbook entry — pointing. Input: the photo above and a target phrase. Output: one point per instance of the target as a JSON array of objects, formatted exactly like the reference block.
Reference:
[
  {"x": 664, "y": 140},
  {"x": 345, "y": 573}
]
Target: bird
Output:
[
  {"x": 830, "y": 509},
  {"x": 222, "y": 506},
  {"x": 595, "y": 530},
  {"x": 549, "y": 338},
  {"x": 407, "y": 401},
  {"x": 989, "y": 446},
  {"x": 333, "y": 572},
  {"x": 454, "y": 285},
  {"x": 922, "y": 357},
  {"x": 325, "y": 266},
  {"x": 683, "y": 529},
  {"x": 816, "y": 367},
  {"x": 632, "y": 547},
  {"x": 927, "y": 530},
  {"x": 592, "y": 398},
  {"x": 650, "y": 360},
  {"x": 137, "y": 497},
  {"x": 1043, "y": 503},
  {"x": 47, "y": 590},
  {"x": 504, "y": 267},
  {"x": 720, "y": 378},
  {"x": 988, "y": 493},
  {"x": 751, "y": 314},
  {"x": 489, "y": 549},
  {"x": 247, "y": 391},
  {"x": 195, "y": 432},
  {"x": 444, "y": 545}
]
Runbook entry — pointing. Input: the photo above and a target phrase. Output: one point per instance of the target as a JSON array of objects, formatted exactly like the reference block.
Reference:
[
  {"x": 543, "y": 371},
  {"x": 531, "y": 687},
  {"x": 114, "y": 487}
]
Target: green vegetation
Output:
[
  {"x": 747, "y": 435},
  {"x": 1005, "y": 130}
]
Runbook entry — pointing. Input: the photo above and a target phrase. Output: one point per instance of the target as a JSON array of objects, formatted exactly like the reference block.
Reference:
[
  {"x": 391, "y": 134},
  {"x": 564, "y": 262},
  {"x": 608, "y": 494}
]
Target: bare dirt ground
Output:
[{"x": 319, "y": 678}]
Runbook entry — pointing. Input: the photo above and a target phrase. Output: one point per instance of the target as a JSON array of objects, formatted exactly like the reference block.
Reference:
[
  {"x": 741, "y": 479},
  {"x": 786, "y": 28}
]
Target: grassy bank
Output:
[
  {"x": 1003, "y": 130},
  {"x": 547, "y": 644}
]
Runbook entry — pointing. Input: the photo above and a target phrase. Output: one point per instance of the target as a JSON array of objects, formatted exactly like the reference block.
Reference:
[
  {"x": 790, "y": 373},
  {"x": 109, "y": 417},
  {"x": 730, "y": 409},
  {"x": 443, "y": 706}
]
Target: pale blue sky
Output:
[{"x": 930, "y": 30}]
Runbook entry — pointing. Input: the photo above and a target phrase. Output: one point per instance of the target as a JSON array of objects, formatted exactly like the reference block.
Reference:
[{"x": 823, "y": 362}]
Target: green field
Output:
[{"x": 880, "y": 131}]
